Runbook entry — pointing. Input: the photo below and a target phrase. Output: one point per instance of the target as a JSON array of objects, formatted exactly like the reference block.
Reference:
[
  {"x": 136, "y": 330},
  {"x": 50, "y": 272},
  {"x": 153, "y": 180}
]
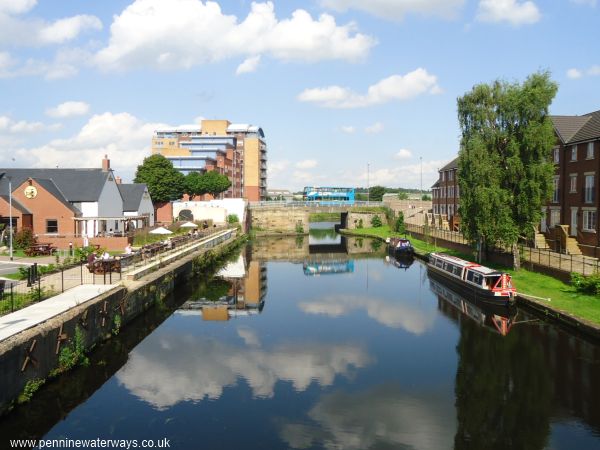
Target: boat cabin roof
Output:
[{"x": 463, "y": 263}]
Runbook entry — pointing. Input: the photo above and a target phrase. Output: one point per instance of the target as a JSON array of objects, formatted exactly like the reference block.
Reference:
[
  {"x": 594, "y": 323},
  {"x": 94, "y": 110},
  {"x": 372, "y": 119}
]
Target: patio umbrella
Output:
[
  {"x": 161, "y": 230},
  {"x": 189, "y": 225}
]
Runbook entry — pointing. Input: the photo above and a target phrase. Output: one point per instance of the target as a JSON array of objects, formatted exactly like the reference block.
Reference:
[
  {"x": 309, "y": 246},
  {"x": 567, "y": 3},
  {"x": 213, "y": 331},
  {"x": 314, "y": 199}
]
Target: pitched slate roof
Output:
[
  {"x": 75, "y": 185},
  {"x": 132, "y": 195},
  {"x": 451, "y": 165},
  {"x": 56, "y": 193},
  {"x": 571, "y": 129}
]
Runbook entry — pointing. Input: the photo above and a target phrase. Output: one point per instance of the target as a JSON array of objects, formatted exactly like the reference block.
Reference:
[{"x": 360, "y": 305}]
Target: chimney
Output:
[
  {"x": 105, "y": 164},
  {"x": 118, "y": 179}
]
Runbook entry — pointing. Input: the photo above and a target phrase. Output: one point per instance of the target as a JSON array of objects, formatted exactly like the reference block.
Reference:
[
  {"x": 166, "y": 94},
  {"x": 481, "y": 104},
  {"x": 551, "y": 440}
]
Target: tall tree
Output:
[
  {"x": 214, "y": 183},
  {"x": 165, "y": 183},
  {"x": 505, "y": 170}
]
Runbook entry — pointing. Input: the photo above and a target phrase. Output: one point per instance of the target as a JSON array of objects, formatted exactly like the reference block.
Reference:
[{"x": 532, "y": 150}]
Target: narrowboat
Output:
[
  {"x": 473, "y": 279},
  {"x": 399, "y": 246}
]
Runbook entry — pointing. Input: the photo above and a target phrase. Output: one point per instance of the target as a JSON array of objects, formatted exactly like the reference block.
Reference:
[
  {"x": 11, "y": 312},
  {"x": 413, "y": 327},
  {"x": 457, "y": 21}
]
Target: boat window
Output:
[
  {"x": 457, "y": 271},
  {"x": 493, "y": 281},
  {"x": 477, "y": 278},
  {"x": 439, "y": 263},
  {"x": 470, "y": 275}
]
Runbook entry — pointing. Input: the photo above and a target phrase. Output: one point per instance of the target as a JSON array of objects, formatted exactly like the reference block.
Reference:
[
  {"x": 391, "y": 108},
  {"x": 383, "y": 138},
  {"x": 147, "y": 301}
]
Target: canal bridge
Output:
[{"x": 293, "y": 217}]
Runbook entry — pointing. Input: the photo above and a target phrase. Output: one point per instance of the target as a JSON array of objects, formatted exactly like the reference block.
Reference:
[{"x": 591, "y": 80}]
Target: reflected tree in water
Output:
[{"x": 503, "y": 391}]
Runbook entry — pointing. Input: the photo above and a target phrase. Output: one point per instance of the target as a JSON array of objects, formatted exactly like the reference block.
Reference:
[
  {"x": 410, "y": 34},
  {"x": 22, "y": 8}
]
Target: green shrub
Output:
[
  {"x": 376, "y": 222},
  {"x": 24, "y": 238},
  {"x": 586, "y": 285},
  {"x": 402, "y": 196},
  {"x": 399, "y": 223},
  {"x": 232, "y": 218},
  {"x": 360, "y": 223},
  {"x": 30, "y": 388},
  {"x": 299, "y": 227}
]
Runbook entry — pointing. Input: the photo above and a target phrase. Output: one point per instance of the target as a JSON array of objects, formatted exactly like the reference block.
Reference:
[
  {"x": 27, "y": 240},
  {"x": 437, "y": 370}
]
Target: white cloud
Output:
[
  {"x": 348, "y": 129},
  {"x": 205, "y": 367},
  {"x": 248, "y": 65},
  {"x": 591, "y": 3},
  {"x": 182, "y": 34},
  {"x": 397, "y": 9},
  {"x": 10, "y": 126},
  {"x": 65, "y": 64},
  {"x": 395, "y": 87},
  {"x": 403, "y": 154},
  {"x": 375, "y": 128},
  {"x": 16, "y": 6},
  {"x": 123, "y": 137},
  {"x": 574, "y": 73},
  {"x": 275, "y": 168},
  {"x": 592, "y": 71},
  {"x": 68, "y": 109},
  {"x": 513, "y": 11},
  {"x": 391, "y": 314},
  {"x": 306, "y": 164},
  {"x": 66, "y": 29},
  {"x": 34, "y": 31}
]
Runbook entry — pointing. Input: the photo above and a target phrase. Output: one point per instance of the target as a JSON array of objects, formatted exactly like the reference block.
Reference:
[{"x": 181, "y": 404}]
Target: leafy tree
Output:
[
  {"x": 426, "y": 197},
  {"x": 214, "y": 183},
  {"x": 504, "y": 160},
  {"x": 402, "y": 196},
  {"x": 376, "y": 193},
  {"x": 165, "y": 183},
  {"x": 376, "y": 222},
  {"x": 194, "y": 184}
]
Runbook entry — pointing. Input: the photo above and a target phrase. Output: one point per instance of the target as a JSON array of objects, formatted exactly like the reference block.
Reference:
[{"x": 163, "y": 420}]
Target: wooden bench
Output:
[{"x": 40, "y": 249}]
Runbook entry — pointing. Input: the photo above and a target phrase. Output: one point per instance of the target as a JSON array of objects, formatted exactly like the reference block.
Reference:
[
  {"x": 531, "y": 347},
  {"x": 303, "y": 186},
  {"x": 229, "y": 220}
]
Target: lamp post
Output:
[{"x": 10, "y": 226}]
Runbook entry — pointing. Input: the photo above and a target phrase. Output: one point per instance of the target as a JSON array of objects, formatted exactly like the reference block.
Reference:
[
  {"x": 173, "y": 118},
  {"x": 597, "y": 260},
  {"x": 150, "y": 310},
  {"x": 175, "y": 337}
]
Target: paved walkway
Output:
[{"x": 37, "y": 313}]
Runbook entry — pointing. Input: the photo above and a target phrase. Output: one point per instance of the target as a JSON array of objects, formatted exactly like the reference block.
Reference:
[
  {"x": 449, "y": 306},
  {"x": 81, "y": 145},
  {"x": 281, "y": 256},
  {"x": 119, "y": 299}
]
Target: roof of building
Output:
[
  {"x": 451, "y": 165},
  {"x": 436, "y": 184},
  {"x": 16, "y": 204},
  {"x": 572, "y": 129},
  {"x": 56, "y": 193},
  {"x": 75, "y": 185},
  {"x": 132, "y": 195}
]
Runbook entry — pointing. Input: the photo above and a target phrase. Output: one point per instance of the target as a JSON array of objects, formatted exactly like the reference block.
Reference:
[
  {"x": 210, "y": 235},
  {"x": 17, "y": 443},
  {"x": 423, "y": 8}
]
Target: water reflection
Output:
[
  {"x": 385, "y": 416},
  {"x": 389, "y": 312},
  {"x": 171, "y": 368},
  {"x": 238, "y": 289},
  {"x": 400, "y": 260},
  {"x": 328, "y": 267},
  {"x": 496, "y": 317}
]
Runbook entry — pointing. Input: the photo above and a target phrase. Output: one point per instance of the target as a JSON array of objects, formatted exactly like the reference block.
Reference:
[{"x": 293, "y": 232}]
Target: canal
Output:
[{"x": 326, "y": 342}]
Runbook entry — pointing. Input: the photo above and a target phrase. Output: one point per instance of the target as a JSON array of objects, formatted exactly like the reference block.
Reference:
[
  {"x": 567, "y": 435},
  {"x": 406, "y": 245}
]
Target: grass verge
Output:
[{"x": 563, "y": 296}]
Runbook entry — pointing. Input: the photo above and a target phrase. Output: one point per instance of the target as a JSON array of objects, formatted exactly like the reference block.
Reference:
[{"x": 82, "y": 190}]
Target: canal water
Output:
[{"x": 327, "y": 342}]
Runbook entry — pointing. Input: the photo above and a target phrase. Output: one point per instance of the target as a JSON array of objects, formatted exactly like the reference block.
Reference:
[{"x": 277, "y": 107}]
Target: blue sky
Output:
[{"x": 337, "y": 85}]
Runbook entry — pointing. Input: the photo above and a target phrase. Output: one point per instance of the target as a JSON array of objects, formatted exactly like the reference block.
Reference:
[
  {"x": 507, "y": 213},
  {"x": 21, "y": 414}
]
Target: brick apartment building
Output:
[
  {"x": 573, "y": 207},
  {"x": 238, "y": 151}
]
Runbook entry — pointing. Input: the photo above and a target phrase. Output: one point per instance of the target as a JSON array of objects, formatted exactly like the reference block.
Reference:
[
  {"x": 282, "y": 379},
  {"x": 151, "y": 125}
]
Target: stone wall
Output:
[
  {"x": 354, "y": 219},
  {"x": 283, "y": 220}
]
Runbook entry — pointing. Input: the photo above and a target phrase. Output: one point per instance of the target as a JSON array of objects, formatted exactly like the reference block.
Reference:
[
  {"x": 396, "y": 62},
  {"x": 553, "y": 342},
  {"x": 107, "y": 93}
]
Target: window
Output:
[
  {"x": 590, "y": 150},
  {"x": 556, "y": 192},
  {"x": 554, "y": 217},
  {"x": 51, "y": 226},
  {"x": 451, "y": 191},
  {"x": 573, "y": 184},
  {"x": 457, "y": 191},
  {"x": 450, "y": 210},
  {"x": 556, "y": 155},
  {"x": 589, "y": 220},
  {"x": 444, "y": 192},
  {"x": 443, "y": 175},
  {"x": 574, "y": 153},
  {"x": 450, "y": 175},
  {"x": 435, "y": 209},
  {"x": 589, "y": 189}
]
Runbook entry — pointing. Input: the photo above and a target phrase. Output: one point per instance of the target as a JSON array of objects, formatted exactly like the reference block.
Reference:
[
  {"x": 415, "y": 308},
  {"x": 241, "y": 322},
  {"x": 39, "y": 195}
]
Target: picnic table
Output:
[
  {"x": 40, "y": 249},
  {"x": 101, "y": 266}
]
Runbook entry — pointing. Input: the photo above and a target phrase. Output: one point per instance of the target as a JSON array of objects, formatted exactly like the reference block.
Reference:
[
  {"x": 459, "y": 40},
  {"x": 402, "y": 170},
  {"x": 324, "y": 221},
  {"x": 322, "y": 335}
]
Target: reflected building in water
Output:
[
  {"x": 238, "y": 289},
  {"x": 328, "y": 267}
]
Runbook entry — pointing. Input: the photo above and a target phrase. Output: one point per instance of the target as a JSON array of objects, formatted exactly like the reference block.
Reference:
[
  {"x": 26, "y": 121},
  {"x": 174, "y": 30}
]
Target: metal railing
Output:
[
  {"x": 586, "y": 265},
  {"x": 15, "y": 294},
  {"x": 311, "y": 204}
]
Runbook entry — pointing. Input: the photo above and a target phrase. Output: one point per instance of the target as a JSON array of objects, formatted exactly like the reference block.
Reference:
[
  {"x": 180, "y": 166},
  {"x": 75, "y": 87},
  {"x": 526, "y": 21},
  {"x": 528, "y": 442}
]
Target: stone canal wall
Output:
[{"x": 59, "y": 344}]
